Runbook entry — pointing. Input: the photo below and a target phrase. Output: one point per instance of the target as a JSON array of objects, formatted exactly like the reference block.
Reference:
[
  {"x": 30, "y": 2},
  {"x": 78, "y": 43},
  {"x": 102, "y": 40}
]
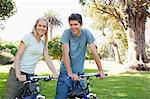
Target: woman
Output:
[{"x": 30, "y": 49}]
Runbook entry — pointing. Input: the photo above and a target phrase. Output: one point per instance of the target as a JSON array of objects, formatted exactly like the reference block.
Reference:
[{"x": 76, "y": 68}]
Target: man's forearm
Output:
[
  {"x": 98, "y": 63},
  {"x": 97, "y": 60},
  {"x": 67, "y": 65}
]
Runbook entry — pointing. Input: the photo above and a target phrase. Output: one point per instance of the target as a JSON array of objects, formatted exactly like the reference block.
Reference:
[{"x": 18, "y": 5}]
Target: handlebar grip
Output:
[
  {"x": 98, "y": 75},
  {"x": 48, "y": 78}
]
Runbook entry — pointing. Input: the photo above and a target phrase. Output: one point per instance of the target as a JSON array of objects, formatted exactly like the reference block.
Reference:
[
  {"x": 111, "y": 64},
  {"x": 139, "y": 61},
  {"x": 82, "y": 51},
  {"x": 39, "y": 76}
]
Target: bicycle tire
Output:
[{"x": 92, "y": 97}]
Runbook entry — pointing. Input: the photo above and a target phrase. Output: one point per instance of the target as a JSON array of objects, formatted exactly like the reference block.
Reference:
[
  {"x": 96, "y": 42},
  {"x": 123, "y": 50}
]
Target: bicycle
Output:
[
  {"x": 84, "y": 92},
  {"x": 32, "y": 89}
]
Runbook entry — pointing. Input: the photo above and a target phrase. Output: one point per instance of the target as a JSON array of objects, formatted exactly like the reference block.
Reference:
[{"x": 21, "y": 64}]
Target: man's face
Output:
[{"x": 75, "y": 27}]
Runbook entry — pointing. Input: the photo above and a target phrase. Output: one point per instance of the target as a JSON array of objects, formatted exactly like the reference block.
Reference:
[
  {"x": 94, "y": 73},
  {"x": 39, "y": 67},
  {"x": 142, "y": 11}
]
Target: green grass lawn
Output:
[{"x": 123, "y": 86}]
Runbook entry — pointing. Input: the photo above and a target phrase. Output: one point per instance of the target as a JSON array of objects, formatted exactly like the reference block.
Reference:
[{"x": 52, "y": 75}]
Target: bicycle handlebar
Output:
[
  {"x": 90, "y": 75},
  {"x": 46, "y": 78},
  {"x": 34, "y": 79}
]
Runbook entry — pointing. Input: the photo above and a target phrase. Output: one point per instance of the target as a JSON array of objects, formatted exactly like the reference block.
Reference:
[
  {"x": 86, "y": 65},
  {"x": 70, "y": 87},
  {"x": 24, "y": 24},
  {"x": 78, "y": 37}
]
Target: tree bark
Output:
[
  {"x": 136, "y": 36},
  {"x": 50, "y": 38},
  {"x": 116, "y": 52}
]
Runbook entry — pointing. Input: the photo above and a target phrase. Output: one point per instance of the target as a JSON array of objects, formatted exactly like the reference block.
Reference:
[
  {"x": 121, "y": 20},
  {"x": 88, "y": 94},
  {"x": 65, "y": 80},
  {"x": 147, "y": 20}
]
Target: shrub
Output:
[
  {"x": 54, "y": 48},
  {"x": 6, "y": 57},
  {"x": 9, "y": 47}
]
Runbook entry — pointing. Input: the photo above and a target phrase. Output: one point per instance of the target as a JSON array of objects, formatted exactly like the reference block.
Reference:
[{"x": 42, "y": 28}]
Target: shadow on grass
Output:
[{"x": 123, "y": 86}]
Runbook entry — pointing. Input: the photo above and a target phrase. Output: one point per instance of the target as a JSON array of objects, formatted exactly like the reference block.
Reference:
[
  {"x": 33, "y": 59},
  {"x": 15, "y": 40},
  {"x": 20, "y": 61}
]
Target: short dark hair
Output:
[{"x": 75, "y": 16}]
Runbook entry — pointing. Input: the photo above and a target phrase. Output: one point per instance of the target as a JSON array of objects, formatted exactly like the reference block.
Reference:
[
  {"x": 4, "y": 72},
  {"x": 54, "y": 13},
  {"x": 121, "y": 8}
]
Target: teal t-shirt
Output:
[
  {"x": 31, "y": 54},
  {"x": 78, "y": 46}
]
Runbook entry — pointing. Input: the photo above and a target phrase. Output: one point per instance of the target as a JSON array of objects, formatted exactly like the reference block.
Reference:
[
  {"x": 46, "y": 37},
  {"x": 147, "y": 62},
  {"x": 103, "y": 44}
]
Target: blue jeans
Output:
[{"x": 63, "y": 86}]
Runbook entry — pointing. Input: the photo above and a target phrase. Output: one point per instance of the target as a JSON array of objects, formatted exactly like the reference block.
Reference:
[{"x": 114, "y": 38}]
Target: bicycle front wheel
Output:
[{"x": 92, "y": 97}]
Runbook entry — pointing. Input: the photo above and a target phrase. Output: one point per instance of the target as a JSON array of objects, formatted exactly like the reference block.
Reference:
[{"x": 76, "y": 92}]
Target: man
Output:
[{"x": 74, "y": 44}]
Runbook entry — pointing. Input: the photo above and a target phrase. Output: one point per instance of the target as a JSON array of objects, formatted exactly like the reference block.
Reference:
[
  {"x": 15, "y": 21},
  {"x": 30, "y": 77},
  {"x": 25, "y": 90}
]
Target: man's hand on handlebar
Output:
[{"x": 74, "y": 76}]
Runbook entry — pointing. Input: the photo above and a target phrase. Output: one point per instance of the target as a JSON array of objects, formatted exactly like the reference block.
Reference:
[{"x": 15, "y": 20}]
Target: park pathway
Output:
[{"x": 110, "y": 66}]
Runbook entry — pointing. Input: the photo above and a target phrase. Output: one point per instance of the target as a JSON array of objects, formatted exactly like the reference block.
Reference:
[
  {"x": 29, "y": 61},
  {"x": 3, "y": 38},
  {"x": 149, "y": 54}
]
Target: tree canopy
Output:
[
  {"x": 132, "y": 16},
  {"x": 53, "y": 20},
  {"x": 7, "y": 9}
]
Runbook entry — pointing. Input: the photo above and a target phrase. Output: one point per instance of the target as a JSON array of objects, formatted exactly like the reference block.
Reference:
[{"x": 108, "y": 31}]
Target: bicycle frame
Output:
[
  {"x": 88, "y": 94},
  {"x": 35, "y": 79}
]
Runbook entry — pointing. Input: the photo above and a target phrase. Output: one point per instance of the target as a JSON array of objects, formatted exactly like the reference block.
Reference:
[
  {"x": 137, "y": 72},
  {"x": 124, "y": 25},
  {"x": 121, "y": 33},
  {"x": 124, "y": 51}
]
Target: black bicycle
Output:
[
  {"x": 83, "y": 92},
  {"x": 32, "y": 89}
]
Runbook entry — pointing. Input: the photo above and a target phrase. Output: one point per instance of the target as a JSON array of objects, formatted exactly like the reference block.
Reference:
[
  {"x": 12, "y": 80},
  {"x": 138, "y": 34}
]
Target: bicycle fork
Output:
[
  {"x": 39, "y": 96},
  {"x": 89, "y": 94}
]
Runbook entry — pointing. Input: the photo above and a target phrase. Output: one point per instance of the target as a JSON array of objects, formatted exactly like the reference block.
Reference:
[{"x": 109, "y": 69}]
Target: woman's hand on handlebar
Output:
[
  {"x": 55, "y": 75},
  {"x": 102, "y": 75},
  {"x": 21, "y": 77}
]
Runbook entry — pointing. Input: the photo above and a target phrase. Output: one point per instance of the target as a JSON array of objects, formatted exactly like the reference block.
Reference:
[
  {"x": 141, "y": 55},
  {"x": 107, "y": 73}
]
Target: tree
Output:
[
  {"x": 53, "y": 20},
  {"x": 115, "y": 35},
  {"x": 131, "y": 15},
  {"x": 7, "y": 9}
]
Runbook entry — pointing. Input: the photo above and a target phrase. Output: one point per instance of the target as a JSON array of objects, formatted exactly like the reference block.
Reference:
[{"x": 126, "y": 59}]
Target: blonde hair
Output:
[{"x": 46, "y": 34}]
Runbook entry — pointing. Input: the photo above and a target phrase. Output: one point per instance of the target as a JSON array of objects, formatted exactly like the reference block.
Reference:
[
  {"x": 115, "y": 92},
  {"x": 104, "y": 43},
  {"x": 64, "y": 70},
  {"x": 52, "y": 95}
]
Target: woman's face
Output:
[
  {"x": 75, "y": 27},
  {"x": 41, "y": 27}
]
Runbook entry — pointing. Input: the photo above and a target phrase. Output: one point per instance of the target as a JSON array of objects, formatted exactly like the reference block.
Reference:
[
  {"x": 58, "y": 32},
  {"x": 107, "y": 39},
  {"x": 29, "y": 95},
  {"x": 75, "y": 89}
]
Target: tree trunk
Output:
[
  {"x": 51, "y": 35},
  {"x": 136, "y": 37},
  {"x": 116, "y": 52}
]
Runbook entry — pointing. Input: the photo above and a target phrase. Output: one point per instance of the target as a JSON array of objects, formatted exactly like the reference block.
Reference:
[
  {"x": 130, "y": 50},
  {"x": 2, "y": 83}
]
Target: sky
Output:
[{"x": 28, "y": 11}]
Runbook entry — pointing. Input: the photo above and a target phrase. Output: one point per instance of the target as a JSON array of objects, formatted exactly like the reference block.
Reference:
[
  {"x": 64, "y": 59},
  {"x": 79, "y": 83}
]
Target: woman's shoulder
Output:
[
  {"x": 28, "y": 35},
  {"x": 27, "y": 38}
]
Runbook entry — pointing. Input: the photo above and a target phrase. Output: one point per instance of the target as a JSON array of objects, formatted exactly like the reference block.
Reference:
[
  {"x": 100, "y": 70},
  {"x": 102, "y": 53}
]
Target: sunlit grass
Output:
[{"x": 122, "y": 86}]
